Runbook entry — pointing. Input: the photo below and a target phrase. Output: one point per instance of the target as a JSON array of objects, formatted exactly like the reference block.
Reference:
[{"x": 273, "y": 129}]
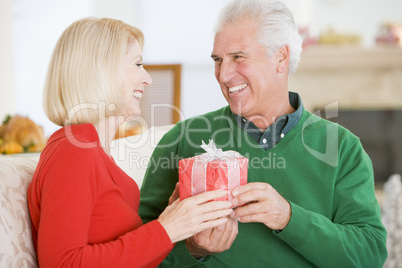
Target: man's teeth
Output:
[
  {"x": 137, "y": 95},
  {"x": 237, "y": 88}
]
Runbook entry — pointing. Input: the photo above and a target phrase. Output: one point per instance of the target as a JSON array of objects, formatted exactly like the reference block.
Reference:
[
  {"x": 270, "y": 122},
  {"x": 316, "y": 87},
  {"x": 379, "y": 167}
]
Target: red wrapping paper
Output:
[{"x": 197, "y": 175}]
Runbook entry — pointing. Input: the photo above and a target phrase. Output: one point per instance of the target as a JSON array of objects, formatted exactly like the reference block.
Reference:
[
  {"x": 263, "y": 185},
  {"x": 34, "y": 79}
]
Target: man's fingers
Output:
[
  {"x": 234, "y": 233},
  {"x": 249, "y": 186},
  {"x": 224, "y": 230},
  {"x": 249, "y": 197},
  {"x": 252, "y": 208},
  {"x": 252, "y": 218},
  {"x": 218, "y": 239}
]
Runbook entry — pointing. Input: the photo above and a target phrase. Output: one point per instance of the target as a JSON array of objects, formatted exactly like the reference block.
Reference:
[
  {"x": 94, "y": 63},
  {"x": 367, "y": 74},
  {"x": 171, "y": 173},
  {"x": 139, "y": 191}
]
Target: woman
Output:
[{"x": 83, "y": 207}]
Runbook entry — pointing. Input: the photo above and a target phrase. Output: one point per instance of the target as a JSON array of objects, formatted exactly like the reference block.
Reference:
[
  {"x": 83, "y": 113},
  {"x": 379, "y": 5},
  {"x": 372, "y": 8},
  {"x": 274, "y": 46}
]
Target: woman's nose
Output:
[{"x": 147, "y": 80}]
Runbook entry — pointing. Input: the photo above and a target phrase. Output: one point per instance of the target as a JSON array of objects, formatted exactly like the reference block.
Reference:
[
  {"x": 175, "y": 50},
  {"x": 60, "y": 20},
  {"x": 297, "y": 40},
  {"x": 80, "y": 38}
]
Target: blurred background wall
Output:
[
  {"x": 7, "y": 88},
  {"x": 176, "y": 31},
  {"x": 343, "y": 68}
]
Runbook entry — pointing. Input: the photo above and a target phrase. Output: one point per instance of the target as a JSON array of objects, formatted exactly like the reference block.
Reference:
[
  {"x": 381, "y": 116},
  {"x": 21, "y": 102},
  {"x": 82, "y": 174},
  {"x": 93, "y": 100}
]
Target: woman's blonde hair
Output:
[{"x": 85, "y": 75}]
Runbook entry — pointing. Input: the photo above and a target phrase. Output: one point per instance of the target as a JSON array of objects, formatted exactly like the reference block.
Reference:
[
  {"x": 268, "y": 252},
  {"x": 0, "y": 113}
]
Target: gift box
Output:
[{"x": 212, "y": 170}]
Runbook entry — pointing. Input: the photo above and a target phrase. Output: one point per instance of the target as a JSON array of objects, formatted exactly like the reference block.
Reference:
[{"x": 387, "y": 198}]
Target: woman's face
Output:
[{"x": 135, "y": 79}]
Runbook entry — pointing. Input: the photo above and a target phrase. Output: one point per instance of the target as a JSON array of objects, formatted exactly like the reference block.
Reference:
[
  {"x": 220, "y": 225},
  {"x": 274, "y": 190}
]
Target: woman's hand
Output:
[{"x": 183, "y": 219}]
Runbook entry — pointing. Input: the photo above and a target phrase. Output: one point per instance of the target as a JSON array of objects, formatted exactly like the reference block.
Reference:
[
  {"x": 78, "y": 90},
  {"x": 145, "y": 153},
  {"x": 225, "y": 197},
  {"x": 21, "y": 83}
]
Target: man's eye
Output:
[
  {"x": 237, "y": 57},
  {"x": 217, "y": 60}
]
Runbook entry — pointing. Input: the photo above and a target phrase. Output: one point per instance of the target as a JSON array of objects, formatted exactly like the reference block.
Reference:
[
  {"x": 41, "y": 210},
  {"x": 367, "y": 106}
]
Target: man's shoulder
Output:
[
  {"x": 210, "y": 116},
  {"x": 318, "y": 121},
  {"x": 198, "y": 128},
  {"x": 319, "y": 126},
  {"x": 204, "y": 121}
]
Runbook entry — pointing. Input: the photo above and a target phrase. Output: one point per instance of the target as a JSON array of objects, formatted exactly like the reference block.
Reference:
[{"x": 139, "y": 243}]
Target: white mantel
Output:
[{"x": 358, "y": 78}]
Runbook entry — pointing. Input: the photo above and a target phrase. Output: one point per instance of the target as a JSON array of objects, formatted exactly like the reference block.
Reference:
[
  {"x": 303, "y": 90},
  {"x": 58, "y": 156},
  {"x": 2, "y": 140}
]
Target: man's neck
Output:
[{"x": 264, "y": 120}]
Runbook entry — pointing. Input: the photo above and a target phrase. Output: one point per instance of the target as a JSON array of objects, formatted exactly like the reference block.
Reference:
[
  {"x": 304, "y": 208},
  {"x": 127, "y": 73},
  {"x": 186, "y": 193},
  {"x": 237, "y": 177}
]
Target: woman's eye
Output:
[{"x": 139, "y": 64}]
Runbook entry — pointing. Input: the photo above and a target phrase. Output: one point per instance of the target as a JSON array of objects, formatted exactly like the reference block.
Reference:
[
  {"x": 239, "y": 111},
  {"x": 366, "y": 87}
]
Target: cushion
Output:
[
  {"x": 16, "y": 247},
  {"x": 392, "y": 219},
  {"x": 133, "y": 153}
]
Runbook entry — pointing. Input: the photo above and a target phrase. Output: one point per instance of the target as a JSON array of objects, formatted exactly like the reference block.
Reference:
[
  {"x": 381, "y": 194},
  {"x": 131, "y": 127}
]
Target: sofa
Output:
[{"x": 132, "y": 154}]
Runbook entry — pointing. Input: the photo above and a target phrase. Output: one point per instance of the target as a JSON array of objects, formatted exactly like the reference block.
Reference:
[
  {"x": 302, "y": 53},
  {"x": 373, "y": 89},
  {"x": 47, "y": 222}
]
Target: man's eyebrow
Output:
[{"x": 237, "y": 53}]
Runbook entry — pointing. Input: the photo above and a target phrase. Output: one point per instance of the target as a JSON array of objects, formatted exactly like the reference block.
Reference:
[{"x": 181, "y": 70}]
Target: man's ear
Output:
[{"x": 283, "y": 56}]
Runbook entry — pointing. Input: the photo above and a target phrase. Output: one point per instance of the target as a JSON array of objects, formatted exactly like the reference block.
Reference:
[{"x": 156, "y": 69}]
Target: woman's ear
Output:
[{"x": 283, "y": 59}]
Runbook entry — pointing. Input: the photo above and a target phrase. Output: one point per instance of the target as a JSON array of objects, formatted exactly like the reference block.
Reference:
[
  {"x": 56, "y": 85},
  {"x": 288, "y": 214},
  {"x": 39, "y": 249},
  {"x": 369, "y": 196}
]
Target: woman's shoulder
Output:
[
  {"x": 74, "y": 146},
  {"x": 83, "y": 136}
]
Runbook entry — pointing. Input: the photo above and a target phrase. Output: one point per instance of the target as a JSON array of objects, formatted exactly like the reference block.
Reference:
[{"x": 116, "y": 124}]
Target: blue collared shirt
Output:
[{"x": 276, "y": 131}]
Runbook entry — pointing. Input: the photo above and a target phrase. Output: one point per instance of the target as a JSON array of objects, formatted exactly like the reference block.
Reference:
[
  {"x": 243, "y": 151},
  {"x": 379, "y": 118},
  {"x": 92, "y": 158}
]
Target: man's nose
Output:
[{"x": 226, "y": 72}]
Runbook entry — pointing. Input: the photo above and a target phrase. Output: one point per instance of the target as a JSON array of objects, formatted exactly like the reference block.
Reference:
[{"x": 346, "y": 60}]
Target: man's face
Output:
[{"x": 246, "y": 75}]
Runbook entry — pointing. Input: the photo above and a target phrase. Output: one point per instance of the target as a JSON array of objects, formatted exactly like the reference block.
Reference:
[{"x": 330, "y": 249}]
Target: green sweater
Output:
[{"x": 319, "y": 167}]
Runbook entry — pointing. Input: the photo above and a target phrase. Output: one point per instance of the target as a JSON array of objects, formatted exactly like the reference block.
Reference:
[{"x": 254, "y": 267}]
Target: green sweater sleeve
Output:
[
  {"x": 160, "y": 178},
  {"x": 355, "y": 236}
]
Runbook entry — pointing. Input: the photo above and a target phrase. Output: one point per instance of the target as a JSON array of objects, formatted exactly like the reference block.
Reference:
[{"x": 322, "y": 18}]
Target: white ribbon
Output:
[
  {"x": 199, "y": 167},
  {"x": 212, "y": 152}
]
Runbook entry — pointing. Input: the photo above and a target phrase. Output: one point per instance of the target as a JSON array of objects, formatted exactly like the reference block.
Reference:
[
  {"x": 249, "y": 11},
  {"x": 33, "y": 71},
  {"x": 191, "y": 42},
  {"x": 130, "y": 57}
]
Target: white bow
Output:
[{"x": 212, "y": 152}]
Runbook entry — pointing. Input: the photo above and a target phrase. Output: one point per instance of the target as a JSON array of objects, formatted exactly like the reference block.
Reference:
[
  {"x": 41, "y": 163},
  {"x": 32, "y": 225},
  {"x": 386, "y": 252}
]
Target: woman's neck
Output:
[{"x": 107, "y": 129}]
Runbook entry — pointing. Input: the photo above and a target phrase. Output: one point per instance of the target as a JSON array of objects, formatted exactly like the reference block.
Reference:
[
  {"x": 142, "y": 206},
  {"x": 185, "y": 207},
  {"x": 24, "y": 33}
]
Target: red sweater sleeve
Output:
[{"x": 73, "y": 199}]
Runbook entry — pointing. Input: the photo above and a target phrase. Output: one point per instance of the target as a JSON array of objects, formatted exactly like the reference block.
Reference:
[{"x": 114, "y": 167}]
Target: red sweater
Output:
[{"x": 84, "y": 208}]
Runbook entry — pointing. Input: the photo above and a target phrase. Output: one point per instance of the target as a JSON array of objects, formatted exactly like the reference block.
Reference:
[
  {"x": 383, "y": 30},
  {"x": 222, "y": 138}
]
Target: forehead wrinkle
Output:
[{"x": 236, "y": 53}]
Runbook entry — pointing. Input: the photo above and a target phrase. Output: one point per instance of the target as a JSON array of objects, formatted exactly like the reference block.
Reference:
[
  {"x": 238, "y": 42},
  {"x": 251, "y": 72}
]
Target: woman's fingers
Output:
[
  {"x": 207, "y": 196},
  {"x": 216, "y": 214},
  {"x": 202, "y": 201},
  {"x": 182, "y": 219},
  {"x": 175, "y": 195},
  {"x": 211, "y": 224}
]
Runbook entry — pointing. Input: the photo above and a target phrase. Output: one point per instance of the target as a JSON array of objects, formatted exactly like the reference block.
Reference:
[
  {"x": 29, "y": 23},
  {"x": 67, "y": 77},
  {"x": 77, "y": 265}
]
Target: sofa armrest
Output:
[{"x": 16, "y": 247}]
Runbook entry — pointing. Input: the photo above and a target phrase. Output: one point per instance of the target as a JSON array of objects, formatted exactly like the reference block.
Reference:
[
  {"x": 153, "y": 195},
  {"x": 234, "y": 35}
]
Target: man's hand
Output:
[
  {"x": 213, "y": 240},
  {"x": 262, "y": 204}
]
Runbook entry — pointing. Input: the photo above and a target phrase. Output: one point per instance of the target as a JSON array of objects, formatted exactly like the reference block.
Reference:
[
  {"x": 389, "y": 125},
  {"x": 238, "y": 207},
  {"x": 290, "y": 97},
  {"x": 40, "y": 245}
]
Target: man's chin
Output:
[{"x": 236, "y": 109}]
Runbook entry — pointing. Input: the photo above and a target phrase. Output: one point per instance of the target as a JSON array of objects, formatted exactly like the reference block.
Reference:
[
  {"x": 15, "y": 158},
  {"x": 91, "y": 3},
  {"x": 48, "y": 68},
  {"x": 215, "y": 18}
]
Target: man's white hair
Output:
[{"x": 276, "y": 25}]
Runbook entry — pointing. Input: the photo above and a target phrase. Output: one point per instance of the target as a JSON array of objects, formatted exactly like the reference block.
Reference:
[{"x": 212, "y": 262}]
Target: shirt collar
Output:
[{"x": 281, "y": 126}]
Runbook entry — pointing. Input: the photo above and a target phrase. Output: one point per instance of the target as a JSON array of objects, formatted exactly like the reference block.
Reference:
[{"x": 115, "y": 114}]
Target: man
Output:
[{"x": 309, "y": 200}]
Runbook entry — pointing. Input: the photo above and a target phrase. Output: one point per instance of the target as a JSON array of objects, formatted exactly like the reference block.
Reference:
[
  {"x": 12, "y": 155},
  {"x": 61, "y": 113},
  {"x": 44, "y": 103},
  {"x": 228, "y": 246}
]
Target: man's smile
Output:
[{"x": 237, "y": 88}]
